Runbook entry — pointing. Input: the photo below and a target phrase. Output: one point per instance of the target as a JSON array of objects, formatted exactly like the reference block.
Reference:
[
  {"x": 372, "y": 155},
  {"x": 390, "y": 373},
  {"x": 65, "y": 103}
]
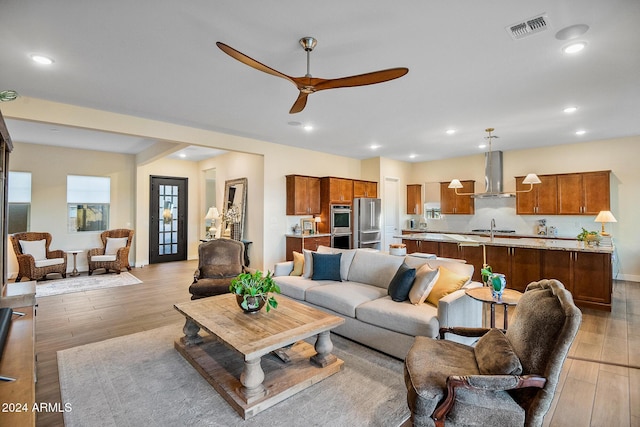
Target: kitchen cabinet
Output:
[
  {"x": 414, "y": 199},
  {"x": 451, "y": 203},
  {"x": 365, "y": 189},
  {"x": 586, "y": 275},
  {"x": 583, "y": 193},
  {"x": 336, "y": 191},
  {"x": 422, "y": 246},
  {"x": 297, "y": 243},
  {"x": 541, "y": 200},
  {"x": 520, "y": 266},
  {"x": 303, "y": 195}
]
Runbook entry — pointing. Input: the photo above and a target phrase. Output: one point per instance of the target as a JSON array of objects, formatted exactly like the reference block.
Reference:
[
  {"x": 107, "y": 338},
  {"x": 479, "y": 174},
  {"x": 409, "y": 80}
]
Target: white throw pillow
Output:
[
  {"x": 307, "y": 271},
  {"x": 425, "y": 280},
  {"x": 35, "y": 248},
  {"x": 113, "y": 244}
]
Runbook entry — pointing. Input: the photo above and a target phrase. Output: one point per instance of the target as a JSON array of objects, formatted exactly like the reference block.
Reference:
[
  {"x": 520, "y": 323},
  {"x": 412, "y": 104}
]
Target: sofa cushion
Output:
[
  {"x": 326, "y": 266},
  {"x": 35, "y": 248},
  {"x": 495, "y": 356},
  {"x": 48, "y": 262},
  {"x": 103, "y": 258},
  {"x": 447, "y": 282},
  {"x": 298, "y": 264},
  {"x": 402, "y": 317},
  {"x": 296, "y": 286},
  {"x": 374, "y": 268},
  {"x": 401, "y": 283},
  {"x": 345, "y": 261},
  {"x": 426, "y": 278},
  {"x": 455, "y": 266},
  {"x": 343, "y": 297},
  {"x": 115, "y": 243}
]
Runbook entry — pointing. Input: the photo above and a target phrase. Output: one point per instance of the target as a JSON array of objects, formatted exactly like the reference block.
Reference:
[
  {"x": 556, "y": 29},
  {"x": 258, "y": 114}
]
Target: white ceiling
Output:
[{"x": 158, "y": 60}]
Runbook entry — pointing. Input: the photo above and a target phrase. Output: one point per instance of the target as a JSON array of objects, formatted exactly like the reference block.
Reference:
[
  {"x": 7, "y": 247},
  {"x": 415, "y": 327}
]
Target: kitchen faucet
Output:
[{"x": 493, "y": 226}]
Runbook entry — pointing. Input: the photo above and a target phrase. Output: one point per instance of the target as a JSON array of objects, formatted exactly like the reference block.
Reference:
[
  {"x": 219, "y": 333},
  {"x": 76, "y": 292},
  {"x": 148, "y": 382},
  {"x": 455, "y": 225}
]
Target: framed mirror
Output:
[{"x": 235, "y": 196}]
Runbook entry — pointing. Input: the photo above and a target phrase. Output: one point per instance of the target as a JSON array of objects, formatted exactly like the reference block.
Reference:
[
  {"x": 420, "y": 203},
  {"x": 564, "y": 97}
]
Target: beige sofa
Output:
[{"x": 371, "y": 316}]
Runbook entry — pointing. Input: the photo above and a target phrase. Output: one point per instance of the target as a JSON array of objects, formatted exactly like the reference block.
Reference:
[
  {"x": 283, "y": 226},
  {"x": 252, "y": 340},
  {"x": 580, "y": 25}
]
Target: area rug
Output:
[
  {"x": 141, "y": 380},
  {"x": 85, "y": 283}
]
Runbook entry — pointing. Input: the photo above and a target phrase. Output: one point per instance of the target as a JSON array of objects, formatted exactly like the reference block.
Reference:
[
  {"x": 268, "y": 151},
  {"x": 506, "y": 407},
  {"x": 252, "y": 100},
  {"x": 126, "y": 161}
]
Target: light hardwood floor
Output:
[{"x": 603, "y": 391}]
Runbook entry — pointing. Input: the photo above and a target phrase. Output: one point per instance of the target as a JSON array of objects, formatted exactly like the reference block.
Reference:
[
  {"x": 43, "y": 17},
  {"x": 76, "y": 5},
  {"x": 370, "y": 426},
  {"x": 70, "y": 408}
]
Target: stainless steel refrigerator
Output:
[{"x": 367, "y": 227}]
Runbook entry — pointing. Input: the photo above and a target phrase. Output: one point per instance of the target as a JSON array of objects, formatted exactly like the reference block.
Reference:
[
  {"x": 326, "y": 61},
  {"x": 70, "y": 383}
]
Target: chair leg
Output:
[
  {"x": 90, "y": 272},
  {"x": 18, "y": 278}
]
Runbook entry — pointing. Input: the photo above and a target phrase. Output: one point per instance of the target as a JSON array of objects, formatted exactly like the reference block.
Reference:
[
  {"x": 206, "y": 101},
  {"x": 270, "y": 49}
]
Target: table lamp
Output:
[
  {"x": 316, "y": 220},
  {"x": 212, "y": 215},
  {"x": 605, "y": 216}
]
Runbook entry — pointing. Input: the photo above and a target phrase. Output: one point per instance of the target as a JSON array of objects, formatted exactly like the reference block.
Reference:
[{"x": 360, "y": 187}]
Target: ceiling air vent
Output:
[{"x": 527, "y": 28}]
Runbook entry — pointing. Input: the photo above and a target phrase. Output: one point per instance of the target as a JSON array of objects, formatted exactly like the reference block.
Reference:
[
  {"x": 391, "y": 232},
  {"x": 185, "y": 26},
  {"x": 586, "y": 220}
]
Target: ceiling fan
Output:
[{"x": 307, "y": 84}]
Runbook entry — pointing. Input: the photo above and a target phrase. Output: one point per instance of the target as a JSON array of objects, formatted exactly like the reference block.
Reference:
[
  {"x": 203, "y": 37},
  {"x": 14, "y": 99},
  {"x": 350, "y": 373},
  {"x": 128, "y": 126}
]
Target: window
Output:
[
  {"x": 19, "y": 199},
  {"x": 88, "y": 199}
]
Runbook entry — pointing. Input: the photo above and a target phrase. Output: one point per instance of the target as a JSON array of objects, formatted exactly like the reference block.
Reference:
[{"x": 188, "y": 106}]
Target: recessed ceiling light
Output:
[
  {"x": 451, "y": 131},
  {"x": 374, "y": 146},
  {"x": 482, "y": 146},
  {"x": 307, "y": 128},
  {"x": 581, "y": 132},
  {"x": 574, "y": 47},
  {"x": 412, "y": 156},
  {"x": 40, "y": 59},
  {"x": 570, "y": 109},
  {"x": 182, "y": 155}
]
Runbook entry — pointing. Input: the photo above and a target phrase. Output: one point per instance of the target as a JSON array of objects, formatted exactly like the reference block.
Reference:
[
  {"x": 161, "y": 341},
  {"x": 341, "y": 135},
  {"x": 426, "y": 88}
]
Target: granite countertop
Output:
[
  {"x": 307, "y": 236},
  {"x": 524, "y": 242},
  {"x": 484, "y": 233}
]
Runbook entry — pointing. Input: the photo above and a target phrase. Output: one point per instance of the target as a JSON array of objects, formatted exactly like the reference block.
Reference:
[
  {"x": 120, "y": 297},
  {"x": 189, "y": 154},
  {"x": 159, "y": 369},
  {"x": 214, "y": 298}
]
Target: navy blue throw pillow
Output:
[
  {"x": 326, "y": 267},
  {"x": 401, "y": 283}
]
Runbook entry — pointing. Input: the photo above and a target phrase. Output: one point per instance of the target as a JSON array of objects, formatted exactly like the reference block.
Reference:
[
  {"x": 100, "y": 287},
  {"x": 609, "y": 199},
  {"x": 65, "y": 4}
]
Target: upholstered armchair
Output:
[
  {"x": 35, "y": 259},
  {"x": 508, "y": 378},
  {"x": 219, "y": 261},
  {"x": 114, "y": 253}
]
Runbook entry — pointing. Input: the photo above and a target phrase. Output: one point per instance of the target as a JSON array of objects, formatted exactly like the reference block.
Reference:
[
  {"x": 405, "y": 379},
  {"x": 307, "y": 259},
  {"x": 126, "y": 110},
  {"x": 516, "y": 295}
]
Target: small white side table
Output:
[{"x": 75, "y": 255}]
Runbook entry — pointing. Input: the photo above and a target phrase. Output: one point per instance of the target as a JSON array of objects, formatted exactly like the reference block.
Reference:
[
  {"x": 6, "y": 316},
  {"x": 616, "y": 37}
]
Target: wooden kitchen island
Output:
[{"x": 586, "y": 271}]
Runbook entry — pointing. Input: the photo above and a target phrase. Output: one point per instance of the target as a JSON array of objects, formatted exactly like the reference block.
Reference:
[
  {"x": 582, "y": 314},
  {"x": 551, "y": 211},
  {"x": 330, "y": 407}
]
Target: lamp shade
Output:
[
  {"x": 317, "y": 219},
  {"x": 212, "y": 213},
  {"x": 455, "y": 183},
  {"x": 605, "y": 216},
  {"x": 531, "y": 178}
]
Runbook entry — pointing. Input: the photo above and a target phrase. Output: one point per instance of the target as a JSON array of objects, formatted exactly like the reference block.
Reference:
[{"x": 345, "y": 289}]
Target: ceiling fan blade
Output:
[
  {"x": 363, "y": 79},
  {"x": 300, "y": 103},
  {"x": 252, "y": 62}
]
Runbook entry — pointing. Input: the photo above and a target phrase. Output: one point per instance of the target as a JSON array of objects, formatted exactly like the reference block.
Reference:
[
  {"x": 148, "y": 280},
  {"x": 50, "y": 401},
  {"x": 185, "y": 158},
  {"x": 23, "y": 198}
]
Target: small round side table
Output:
[
  {"x": 75, "y": 255},
  {"x": 509, "y": 297}
]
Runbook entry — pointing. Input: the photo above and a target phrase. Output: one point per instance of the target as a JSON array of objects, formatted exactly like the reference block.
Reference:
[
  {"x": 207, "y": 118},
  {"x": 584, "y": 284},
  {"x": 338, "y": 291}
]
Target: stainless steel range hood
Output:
[{"x": 493, "y": 177}]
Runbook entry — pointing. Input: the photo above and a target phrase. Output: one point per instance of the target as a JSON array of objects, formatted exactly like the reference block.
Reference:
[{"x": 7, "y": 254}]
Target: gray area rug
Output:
[
  {"x": 141, "y": 380},
  {"x": 85, "y": 283}
]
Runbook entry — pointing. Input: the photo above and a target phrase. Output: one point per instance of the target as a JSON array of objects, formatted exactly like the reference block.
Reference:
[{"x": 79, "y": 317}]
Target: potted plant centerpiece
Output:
[
  {"x": 252, "y": 291},
  {"x": 591, "y": 238}
]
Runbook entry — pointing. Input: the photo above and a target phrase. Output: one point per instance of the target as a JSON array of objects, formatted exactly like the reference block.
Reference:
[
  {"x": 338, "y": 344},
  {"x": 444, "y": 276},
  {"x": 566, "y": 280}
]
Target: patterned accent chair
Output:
[
  {"x": 508, "y": 378},
  {"x": 219, "y": 261},
  {"x": 114, "y": 254},
  {"x": 35, "y": 259}
]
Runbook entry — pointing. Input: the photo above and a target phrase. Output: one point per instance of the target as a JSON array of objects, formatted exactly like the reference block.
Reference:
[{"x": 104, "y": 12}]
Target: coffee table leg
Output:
[
  {"x": 191, "y": 336},
  {"x": 323, "y": 347},
  {"x": 251, "y": 379}
]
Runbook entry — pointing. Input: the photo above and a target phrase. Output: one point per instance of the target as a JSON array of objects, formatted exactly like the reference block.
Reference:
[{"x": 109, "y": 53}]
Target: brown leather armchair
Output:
[
  {"x": 507, "y": 379},
  {"x": 49, "y": 261},
  {"x": 219, "y": 261},
  {"x": 114, "y": 253}
]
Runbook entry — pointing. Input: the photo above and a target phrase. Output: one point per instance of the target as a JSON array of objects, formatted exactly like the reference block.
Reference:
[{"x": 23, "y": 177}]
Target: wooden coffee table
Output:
[{"x": 231, "y": 358}]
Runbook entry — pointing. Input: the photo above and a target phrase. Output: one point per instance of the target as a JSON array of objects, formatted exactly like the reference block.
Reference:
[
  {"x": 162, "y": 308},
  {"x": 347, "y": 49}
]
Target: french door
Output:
[{"x": 168, "y": 224}]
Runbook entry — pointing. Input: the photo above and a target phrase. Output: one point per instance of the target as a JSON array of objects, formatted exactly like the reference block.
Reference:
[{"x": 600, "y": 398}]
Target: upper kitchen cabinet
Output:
[
  {"x": 541, "y": 200},
  {"x": 414, "y": 199},
  {"x": 336, "y": 190},
  {"x": 583, "y": 193},
  {"x": 365, "y": 189},
  {"x": 451, "y": 203},
  {"x": 303, "y": 195}
]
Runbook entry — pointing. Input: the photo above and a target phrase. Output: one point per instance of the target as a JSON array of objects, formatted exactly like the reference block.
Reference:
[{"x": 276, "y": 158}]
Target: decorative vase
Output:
[
  {"x": 254, "y": 304},
  {"x": 497, "y": 282},
  {"x": 235, "y": 230}
]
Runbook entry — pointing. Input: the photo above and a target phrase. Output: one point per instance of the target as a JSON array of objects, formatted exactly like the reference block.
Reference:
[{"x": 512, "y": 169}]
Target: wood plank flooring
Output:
[{"x": 599, "y": 385}]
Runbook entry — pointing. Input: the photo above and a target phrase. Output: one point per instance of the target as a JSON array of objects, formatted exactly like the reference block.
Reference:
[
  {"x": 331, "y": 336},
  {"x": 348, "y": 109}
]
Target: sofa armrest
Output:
[
  {"x": 459, "y": 309},
  {"x": 283, "y": 268}
]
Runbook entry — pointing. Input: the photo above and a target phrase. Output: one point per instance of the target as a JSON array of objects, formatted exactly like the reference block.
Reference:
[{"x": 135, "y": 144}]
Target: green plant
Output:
[
  {"x": 255, "y": 285},
  {"x": 485, "y": 273},
  {"x": 583, "y": 236}
]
